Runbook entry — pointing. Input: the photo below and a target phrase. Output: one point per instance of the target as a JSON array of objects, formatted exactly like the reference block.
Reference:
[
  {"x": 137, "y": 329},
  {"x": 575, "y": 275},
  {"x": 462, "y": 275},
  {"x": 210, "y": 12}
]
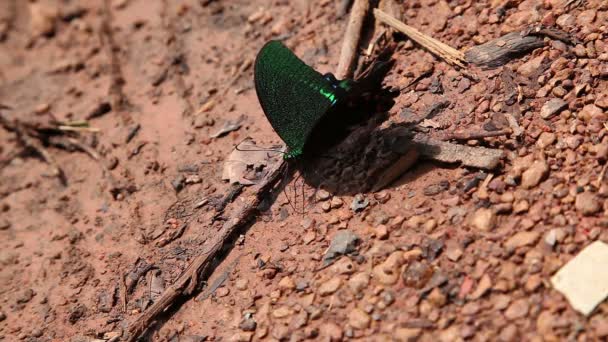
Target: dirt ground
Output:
[{"x": 446, "y": 252}]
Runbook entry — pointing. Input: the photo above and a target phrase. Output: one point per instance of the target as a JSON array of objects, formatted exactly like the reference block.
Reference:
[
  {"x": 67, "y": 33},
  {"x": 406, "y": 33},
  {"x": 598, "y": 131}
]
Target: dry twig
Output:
[
  {"x": 473, "y": 135},
  {"x": 444, "y": 51},
  {"x": 348, "y": 54},
  {"x": 200, "y": 266}
]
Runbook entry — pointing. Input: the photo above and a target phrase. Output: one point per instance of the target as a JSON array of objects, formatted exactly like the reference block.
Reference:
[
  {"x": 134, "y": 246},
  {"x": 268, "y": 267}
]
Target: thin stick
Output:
[
  {"x": 473, "y": 135},
  {"x": 78, "y": 129},
  {"x": 348, "y": 54},
  {"x": 444, "y": 51},
  {"x": 188, "y": 281}
]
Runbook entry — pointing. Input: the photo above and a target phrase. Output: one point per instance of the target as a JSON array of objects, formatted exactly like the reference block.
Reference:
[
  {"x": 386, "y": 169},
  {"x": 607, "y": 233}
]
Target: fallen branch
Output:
[
  {"x": 446, "y": 152},
  {"x": 188, "y": 281},
  {"x": 396, "y": 169},
  {"x": 501, "y": 50},
  {"x": 444, "y": 51},
  {"x": 348, "y": 54}
]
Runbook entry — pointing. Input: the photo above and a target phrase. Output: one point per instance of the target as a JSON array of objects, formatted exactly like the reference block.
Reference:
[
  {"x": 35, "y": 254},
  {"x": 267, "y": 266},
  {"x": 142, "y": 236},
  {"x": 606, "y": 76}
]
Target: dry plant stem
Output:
[
  {"x": 189, "y": 280},
  {"x": 476, "y": 135},
  {"x": 444, "y": 51},
  {"x": 348, "y": 54},
  {"x": 24, "y": 137}
]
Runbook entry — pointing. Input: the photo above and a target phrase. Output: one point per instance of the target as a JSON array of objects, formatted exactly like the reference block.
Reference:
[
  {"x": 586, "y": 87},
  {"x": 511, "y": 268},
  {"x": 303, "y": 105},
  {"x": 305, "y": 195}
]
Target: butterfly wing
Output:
[{"x": 294, "y": 96}]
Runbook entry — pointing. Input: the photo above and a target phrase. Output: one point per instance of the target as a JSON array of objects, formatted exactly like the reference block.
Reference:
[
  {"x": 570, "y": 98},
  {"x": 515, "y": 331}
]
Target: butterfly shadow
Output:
[
  {"x": 353, "y": 157},
  {"x": 360, "y": 162}
]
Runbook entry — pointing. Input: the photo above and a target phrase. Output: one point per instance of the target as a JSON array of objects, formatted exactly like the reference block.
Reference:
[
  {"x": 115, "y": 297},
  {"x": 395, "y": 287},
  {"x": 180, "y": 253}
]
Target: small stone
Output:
[
  {"x": 381, "y": 232},
  {"x": 359, "y": 319},
  {"x": 600, "y": 151},
  {"x": 222, "y": 292},
  {"x": 530, "y": 67},
  {"x": 193, "y": 179},
  {"x": 299, "y": 320},
  {"x": 485, "y": 284},
  {"x": 330, "y": 286},
  {"x": 407, "y": 334},
  {"x": 533, "y": 283},
  {"x": 43, "y": 18},
  {"x": 387, "y": 273},
  {"x": 435, "y": 189},
  {"x": 336, "y": 203},
  {"x": 500, "y": 302},
  {"x": 602, "y": 101},
  {"x": 343, "y": 266},
  {"x": 517, "y": 309},
  {"x": 601, "y": 328},
  {"x": 508, "y": 333},
  {"x": 591, "y": 111},
  {"x": 359, "y": 203},
  {"x": 309, "y": 237},
  {"x": 241, "y": 284},
  {"x": 586, "y": 18},
  {"x": 331, "y": 331},
  {"x": 343, "y": 242},
  {"x": 587, "y": 203},
  {"x": 359, "y": 282},
  {"x": 25, "y": 296},
  {"x": 483, "y": 219},
  {"x": 2, "y": 316},
  {"x": 5, "y": 224},
  {"x": 454, "y": 253},
  {"x": 248, "y": 324},
  {"x": 521, "y": 239},
  {"x": 552, "y": 107},
  {"x": 323, "y": 195},
  {"x": 554, "y": 236},
  {"x": 242, "y": 336},
  {"x": 37, "y": 332},
  {"x": 178, "y": 183},
  {"x": 315, "y": 312},
  {"x": 282, "y": 312},
  {"x": 545, "y": 322},
  {"x": 536, "y": 173},
  {"x": 471, "y": 308},
  {"x": 437, "y": 298},
  {"x": 287, "y": 283},
  {"x": 417, "y": 274},
  {"x": 565, "y": 21},
  {"x": 521, "y": 207},
  {"x": 545, "y": 140}
]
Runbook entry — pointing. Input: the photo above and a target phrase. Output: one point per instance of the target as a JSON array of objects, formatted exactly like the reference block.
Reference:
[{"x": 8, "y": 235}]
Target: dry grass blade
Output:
[{"x": 444, "y": 51}]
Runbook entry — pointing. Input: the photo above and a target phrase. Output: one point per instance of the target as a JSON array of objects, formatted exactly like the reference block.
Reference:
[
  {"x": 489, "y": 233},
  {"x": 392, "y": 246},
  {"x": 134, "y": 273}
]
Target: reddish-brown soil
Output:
[{"x": 443, "y": 254}]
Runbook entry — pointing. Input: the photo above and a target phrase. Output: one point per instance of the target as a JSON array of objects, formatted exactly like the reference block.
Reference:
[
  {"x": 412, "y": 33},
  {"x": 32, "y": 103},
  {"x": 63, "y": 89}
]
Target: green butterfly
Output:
[{"x": 294, "y": 96}]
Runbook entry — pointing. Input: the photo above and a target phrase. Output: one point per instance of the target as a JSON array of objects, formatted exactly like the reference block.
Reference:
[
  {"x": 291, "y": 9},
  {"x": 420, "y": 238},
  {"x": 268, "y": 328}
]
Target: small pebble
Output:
[
  {"x": 330, "y": 286},
  {"x": 359, "y": 319},
  {"x": 587, "y": 203}
]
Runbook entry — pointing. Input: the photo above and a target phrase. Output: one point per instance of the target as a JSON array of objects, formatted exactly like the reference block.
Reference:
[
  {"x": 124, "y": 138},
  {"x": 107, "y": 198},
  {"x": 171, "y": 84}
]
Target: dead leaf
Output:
[{"x": 245, "y": 160}]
